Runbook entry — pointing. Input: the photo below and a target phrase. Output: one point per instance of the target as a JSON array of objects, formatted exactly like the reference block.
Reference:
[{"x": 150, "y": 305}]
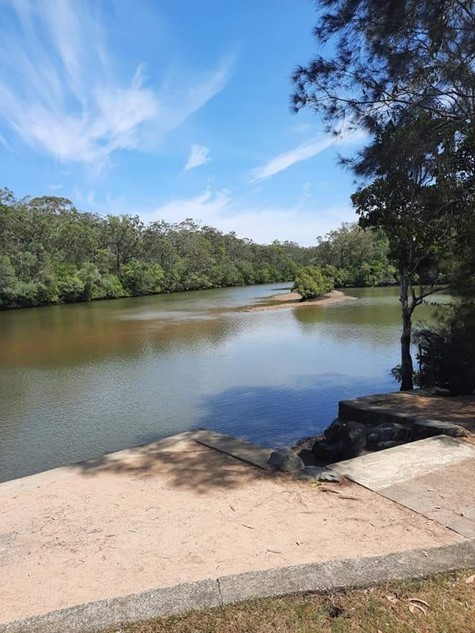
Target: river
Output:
[{"x": 78, "y": 381}]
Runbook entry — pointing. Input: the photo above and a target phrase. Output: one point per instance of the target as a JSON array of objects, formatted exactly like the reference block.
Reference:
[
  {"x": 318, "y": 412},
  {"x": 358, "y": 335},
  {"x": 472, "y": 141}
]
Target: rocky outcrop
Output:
[{"x": 345, "y": 439}]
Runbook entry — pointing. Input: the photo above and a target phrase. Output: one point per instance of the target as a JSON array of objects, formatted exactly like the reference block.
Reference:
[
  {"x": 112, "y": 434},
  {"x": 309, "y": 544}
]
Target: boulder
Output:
[
  {"x": 324, "y": 451},
  {"x": 307, "y": 457},
  {"x": 317, "y": 473},
  {"x": 286, "y": 460},
  {"x": 389, "y": 432},
  {"x": 343, "y": 439},
  {"x": 381, "y": 446},
  {"x": 351, "y": 434},
  {"x": 333, "y": 432},
  {"x": 354, "y": 436}
]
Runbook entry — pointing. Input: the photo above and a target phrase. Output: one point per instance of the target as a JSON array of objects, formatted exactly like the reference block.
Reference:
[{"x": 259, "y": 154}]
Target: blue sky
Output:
[{"x": 169, "y": 109}]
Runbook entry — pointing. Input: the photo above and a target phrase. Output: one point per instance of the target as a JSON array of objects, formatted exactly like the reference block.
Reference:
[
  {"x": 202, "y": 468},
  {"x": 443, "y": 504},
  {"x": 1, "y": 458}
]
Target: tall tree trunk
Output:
[{"x": 407, "y": 383}]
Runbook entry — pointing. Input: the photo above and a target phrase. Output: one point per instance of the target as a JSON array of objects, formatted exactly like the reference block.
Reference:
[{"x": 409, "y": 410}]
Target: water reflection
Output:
[{"x": 274, "y": 416}]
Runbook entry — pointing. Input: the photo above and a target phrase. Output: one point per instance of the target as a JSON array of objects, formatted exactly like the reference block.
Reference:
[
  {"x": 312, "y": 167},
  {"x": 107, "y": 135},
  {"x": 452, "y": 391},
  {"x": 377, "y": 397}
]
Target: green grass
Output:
[{"x": 441, "y": 604}]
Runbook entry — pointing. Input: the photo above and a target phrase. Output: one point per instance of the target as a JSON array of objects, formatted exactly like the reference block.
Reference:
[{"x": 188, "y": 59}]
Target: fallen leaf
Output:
[{"x": 470, "y": 580}]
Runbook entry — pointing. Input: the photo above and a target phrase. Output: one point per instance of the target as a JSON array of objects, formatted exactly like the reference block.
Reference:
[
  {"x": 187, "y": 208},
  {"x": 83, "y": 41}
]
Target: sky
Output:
[{"x": 170, "y": 109}]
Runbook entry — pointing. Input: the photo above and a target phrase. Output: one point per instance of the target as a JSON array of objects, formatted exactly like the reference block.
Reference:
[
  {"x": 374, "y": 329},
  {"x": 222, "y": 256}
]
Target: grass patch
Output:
[{"x": 442, "y": 604}]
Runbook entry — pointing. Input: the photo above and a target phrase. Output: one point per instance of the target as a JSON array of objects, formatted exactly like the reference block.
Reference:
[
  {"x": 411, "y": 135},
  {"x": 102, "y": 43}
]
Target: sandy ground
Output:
[
  {"x": 294, "y": 300},
  {"x": 174, "y": 512}
]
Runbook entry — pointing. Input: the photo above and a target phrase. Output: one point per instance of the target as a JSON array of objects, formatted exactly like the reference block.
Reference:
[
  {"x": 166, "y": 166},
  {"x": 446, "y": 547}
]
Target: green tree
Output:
[
  {"x": 311, "y": 282},
  {"x": 122, "y": 235},
  {"x": 382, "y": 58},
  {"x": 408, "y": 200},
  {"x": 7, "y": 281}
]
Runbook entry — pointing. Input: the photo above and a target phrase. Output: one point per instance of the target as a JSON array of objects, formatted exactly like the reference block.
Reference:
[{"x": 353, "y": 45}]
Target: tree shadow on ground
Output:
[{"x": 180, "y": 463}]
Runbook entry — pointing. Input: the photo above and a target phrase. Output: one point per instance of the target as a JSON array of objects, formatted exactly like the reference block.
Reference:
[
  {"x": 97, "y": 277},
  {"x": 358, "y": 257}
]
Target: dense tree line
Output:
[
  {"x": 352, "y": 257},
  {"x": 50, "y": 252}
]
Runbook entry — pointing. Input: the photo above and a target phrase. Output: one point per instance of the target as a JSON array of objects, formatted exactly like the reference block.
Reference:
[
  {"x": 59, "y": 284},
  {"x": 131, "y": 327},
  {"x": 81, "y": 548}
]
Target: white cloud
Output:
[
  {"x": 61, "y": 94},
  {"x": 306, "y": 150},
  {"x": 285, "y": 160},
  {"x": 199, "y": 155},
  {"x": 301, "y": 223}
]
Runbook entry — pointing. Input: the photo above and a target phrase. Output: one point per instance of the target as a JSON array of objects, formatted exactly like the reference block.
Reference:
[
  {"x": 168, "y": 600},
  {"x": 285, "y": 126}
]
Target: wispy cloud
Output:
[
  {"x": 61, "y": 92},
  {"x": 302, "y": 222},
  {"x": 306, "y": 150},
  {"x": 199, "y": 155}
]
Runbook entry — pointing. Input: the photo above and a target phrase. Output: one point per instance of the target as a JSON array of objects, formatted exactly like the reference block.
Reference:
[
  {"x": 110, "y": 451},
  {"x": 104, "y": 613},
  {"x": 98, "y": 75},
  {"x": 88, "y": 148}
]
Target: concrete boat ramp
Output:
[
  {"x": 196, "y": 520},
  {"x": 434, "y": 477}
]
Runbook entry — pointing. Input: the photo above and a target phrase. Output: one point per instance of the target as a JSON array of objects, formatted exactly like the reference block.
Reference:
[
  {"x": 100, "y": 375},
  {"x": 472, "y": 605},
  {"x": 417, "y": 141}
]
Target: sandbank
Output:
[{"x": 294, "y": 300}]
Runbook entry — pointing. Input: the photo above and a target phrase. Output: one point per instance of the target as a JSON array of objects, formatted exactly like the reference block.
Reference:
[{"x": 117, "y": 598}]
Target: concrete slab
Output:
[
  {"x": 380, "y": 470},
  {"x": 446, "y": 496},
  {"x": 339, "y": 574},
  {"x": 102, "y": 614},
  {"x": 327, "y": 576},
  {"x": 434, "y": 477},
  {"x": 430, "y": 413},
  {"x": 240, "y": 449}
]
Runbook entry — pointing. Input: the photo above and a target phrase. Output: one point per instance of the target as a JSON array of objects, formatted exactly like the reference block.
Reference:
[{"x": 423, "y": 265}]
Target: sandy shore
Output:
[
  {"x": 294, "y": 300},
  {"x": 175, "y": 511}
]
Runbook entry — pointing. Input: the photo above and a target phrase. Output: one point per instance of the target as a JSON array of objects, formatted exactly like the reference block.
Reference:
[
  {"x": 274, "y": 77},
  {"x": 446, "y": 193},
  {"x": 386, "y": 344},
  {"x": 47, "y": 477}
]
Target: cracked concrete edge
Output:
[{"x": 298, "y": 579}]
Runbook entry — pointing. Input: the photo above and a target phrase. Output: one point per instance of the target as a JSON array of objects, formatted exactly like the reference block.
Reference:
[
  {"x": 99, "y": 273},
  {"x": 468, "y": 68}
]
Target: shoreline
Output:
[{"x": 294, "y": 300}]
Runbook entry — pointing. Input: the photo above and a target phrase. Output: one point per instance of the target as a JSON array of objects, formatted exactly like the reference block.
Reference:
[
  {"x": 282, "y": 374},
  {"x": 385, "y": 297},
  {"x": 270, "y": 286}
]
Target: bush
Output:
[
  {"x": 447, "y": 354},
  {"x": 311, "y": 282}
]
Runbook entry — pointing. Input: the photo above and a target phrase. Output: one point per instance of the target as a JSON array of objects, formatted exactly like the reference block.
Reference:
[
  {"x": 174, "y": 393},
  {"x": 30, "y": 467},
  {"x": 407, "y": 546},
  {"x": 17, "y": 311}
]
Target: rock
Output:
[
  {"x": 389, "y": 432},
  {"x": 317, "y": 473},
  {"x": 307, "y": 457},
  {"x": 343, "y": 439},
  {"x": 381, "y": 446},
  {"x": 354, "y": 436},
  {"x": 286, "y": 460},
  {"x": 350, "y": 435},
  {"x": 333, "y": 433},
  {"x": 324, "y": 451}
]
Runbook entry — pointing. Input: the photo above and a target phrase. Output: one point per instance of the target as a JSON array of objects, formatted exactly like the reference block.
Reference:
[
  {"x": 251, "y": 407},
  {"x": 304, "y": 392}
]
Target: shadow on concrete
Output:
[{"x": 181, "y": 463}]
